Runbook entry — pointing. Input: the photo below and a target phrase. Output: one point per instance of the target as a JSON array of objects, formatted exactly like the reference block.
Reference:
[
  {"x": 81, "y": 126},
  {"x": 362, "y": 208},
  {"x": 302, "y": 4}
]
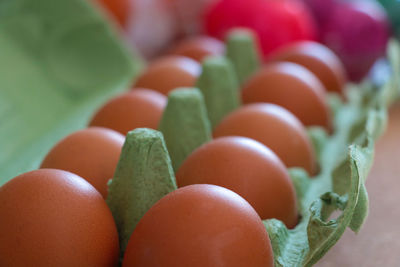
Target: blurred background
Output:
[{"x": 357, "y": 30}]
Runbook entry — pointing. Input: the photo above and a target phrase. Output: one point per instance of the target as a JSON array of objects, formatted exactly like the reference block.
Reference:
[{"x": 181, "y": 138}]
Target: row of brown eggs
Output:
[{"x": 273, "y": 137}]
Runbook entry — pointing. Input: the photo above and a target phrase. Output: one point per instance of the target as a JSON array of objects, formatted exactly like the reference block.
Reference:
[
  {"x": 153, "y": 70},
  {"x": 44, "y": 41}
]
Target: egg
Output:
[
  {"x": 197, "y": 226},
  {"x": 91, "y": 153},
  {"x": 55, "y": 218},
  {"x": 317, "y": 58},
  {"x": 276, "y": 128},
  {"x": 140, "y": 108},
  {"x": 121, "y": 10},
  {"x": 293, "y": 87},
  {"x": 168, "y": 73},
  {"x": 199, "y": 47},
  {"x": 248, "y": 168}
]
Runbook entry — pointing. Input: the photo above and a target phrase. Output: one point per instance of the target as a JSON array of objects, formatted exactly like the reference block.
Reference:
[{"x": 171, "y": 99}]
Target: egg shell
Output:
[
  {"x": 318, "y": 59},
  {"x": 139, "y": 108},
  {"x": 200, "y": 225},
  {"x": 276, "y": 128},
  {"x": 198, "y": 47},
  {"x": 168, "y": 73},
  {"x": 92, "y": 153},
  {"x": 120, "y": 10},
  {"x": 249, "y": 169},
  {"x": 293, "y": 87},
  {"x": 55, "y": 218}
]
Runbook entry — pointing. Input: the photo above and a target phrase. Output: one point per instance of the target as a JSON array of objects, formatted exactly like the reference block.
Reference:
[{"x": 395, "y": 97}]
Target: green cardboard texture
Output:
[
  {"x": 59, "y": 60},
  {"x": 219, "y": 86},
  {"x": 143, "y": 176},
  {"x": 344, "y": 158},
  {"x": 185, "y": 124},
  {"x": 243, "y": 53}
]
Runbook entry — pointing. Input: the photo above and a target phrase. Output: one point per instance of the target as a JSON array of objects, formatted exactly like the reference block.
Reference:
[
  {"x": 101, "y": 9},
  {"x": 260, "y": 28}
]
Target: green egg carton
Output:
[{"x": 60, "y": 60}]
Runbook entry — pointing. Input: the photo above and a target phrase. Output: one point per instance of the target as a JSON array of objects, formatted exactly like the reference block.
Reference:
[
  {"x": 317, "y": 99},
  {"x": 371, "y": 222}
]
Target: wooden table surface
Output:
[{"x": 378, "y": 242}]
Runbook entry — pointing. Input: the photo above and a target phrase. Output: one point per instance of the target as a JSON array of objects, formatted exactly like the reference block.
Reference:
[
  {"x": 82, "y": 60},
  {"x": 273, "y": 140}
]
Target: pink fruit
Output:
[{"x": 276, "y": 22}]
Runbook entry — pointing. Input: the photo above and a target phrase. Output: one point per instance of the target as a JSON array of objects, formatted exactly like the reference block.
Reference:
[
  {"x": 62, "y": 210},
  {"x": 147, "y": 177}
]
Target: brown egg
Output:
[
  {"x": 317, "y": 58},
  {"x": 121, "y": 10},
  {"x": 140, "y": 108},
  {"x": 200, "y": 226},
  {"x": 91, "y": 153},
  {"x": 293, "y": 87},
  {"x": 55, "y": 218},
  {"x": 168, "y": 73},
  {"x": 249, "y": 169},
  {"x": 199, "y": 47},
  {"x": 276, "y": 128}
]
